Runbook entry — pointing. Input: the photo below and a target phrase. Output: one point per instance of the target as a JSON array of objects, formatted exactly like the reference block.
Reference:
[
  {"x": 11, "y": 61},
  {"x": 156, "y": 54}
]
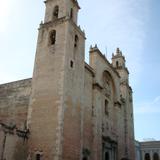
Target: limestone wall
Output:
[
  {"x": 88, "y": 114},
  {"x": 14, "y": 101}
]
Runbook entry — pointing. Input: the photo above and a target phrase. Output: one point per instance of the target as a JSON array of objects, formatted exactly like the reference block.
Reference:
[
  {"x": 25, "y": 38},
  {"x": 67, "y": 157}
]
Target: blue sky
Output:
[{"x": 134, "y": 26}]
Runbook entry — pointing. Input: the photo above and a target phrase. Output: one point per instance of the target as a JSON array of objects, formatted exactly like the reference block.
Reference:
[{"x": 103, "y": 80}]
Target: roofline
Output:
[
  {"x": 96, "y": 50},
  {"x": 90, "y": 69},
  {"x": 16, "y": 81}
]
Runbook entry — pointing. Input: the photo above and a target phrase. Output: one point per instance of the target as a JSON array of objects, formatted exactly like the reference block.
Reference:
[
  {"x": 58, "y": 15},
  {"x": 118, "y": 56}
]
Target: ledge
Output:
[
  {"x": 97, "y": 85},
  {"x": 90, "y": 69}
]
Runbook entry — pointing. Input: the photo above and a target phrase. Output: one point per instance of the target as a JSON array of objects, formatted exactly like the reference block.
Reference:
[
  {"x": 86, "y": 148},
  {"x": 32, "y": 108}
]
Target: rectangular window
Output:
[
  {"x": 71, "y": 64},
  {"x": 106, "y": 108}
]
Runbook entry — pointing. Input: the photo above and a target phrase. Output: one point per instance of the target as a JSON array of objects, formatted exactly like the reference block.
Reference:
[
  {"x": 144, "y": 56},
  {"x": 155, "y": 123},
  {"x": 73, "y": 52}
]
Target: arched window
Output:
[
  {"x": 155, "y": 156},
  {"x": 147, "y": 156},
  {"x": 117, "y": 64},
  {"x": 71, "y": 13},
  {"x": 56, "y": 12},
  {"x": 52, "y": 37},
  {"x": 76, "y": 41}
]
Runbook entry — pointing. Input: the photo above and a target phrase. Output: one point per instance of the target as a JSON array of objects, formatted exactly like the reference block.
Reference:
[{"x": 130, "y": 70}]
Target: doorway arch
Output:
[
  {"x": 147, "y": 156},
  {"x": 106, "y": 156},
  {"x": 155, "y": 156}
]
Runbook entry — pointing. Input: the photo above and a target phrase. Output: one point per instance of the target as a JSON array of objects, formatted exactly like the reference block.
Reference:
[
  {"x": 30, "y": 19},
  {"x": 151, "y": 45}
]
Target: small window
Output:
[
  {"x": 71, "y": 64},
  {"x": 106, "y": 108},
  {"x": 38, "y": 157},
  {"x": 117, "y": 64},
  {"x": 92, "y": 110},
  {"x": 56, "y": 12},
  {"x": 52, "y": 37},
  {"x": 76, "y": 41},
  {"x": 71, "y": 13}
]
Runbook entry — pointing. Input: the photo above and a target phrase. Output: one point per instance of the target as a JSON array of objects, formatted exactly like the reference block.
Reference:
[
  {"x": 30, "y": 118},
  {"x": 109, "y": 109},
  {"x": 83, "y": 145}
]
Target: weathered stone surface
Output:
[{"x": 14, "y": 102}]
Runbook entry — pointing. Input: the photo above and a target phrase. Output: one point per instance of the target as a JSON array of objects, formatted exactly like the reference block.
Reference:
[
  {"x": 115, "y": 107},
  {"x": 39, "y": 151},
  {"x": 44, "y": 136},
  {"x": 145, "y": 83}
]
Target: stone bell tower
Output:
[
  {"x": 118, "y": 62},
  {"x": 54, "y": 116}
]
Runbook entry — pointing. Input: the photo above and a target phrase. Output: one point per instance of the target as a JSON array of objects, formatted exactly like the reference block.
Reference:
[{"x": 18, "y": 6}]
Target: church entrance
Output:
[
  {"x": 155, "y": 156},
  {"x": 106, "y": 155},
  {"x": 147, "y": 156}
]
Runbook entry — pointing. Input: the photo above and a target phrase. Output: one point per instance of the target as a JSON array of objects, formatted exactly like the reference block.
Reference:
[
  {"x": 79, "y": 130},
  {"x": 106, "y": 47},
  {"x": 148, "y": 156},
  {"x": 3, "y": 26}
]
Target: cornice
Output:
[
  {"x": 60, "y": 21},
  {"x": 90, "y": 69}
]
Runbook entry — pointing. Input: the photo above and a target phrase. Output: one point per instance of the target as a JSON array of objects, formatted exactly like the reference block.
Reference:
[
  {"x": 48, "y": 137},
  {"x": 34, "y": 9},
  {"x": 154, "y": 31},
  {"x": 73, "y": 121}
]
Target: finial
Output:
[
  {"x": 112, "y": 54},
  {"x": 91, "y": 47},
  {"x": 95, "y": 45},
  {"x": 117, "y": 51}
]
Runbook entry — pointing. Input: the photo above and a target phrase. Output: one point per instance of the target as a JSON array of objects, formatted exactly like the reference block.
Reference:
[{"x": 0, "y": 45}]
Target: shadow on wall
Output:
[{"x": 21, "y": 151}]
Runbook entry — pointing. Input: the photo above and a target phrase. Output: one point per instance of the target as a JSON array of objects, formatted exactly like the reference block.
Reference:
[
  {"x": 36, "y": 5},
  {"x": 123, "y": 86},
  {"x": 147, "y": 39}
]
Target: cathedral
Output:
[{"x": 68, "y": 110}]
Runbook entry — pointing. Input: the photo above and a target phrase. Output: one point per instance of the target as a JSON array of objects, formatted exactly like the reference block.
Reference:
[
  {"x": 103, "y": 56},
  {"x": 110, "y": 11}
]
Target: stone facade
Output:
[
  {"x": 69, "y": 110},
  {"x": 14, "y": 102},
  {"x": 150, "y": 150}
]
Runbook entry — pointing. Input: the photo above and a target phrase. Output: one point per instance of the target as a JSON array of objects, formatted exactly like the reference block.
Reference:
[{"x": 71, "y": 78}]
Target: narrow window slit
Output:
[
  {"x": 106, "y": 108},
  {"x": 71, "y": 64},
  {"x": 52, "y": 37},
  {"x": 55, "y": 12},
  {"x": 71, "y": 13},
  {"x": 76, "y": 41}
]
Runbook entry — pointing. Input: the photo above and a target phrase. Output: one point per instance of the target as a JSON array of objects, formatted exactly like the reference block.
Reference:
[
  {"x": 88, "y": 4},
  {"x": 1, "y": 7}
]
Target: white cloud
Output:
[
  {"x": 149, "y": 107},
  {"x": 125, "y": 27}
]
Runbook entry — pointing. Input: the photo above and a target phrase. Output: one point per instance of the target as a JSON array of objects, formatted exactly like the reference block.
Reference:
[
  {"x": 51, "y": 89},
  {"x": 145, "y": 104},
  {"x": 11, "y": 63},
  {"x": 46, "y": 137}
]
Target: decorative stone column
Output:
[
  {"x": 151, "y": 154},
  {"x": 143, "y": 154}
]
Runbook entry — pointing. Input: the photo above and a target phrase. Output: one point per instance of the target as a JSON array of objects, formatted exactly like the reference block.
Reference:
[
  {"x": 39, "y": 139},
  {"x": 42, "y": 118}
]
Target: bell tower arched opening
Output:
[{"x": 55, "y": 12}]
